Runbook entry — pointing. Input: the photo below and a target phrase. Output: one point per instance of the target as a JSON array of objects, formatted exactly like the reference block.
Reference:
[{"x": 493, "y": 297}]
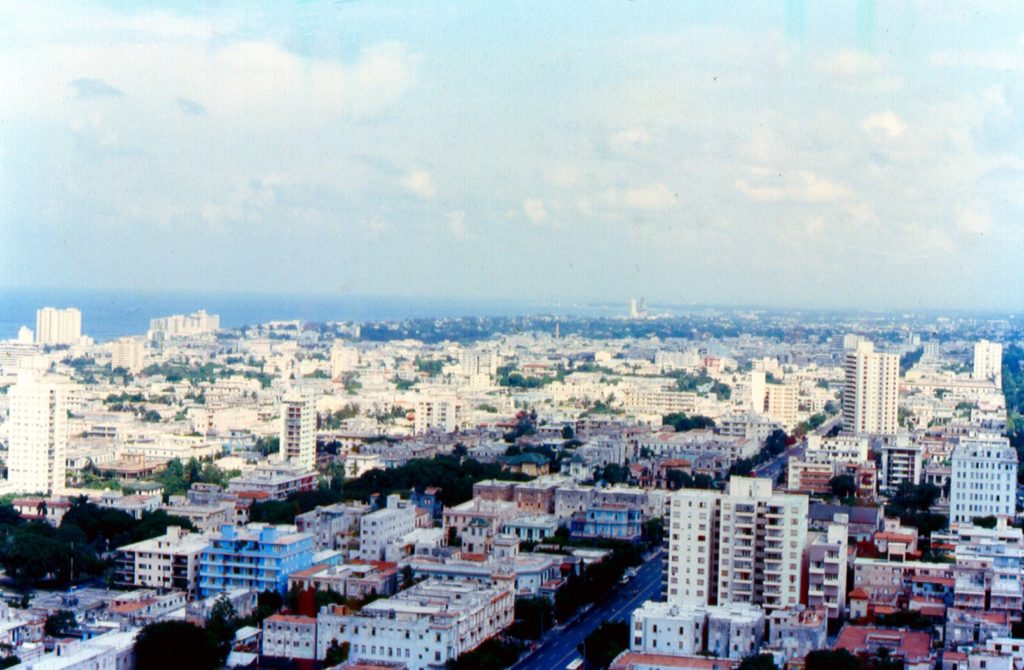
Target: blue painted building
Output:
[
  {"x": 609, "y": 521},
  {"x": 258, "y": 556}
]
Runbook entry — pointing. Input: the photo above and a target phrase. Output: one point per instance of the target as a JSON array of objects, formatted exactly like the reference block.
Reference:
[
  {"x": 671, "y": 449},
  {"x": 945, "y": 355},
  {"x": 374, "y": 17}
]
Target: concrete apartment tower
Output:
[
  {"x": 298, "y": 430},
  {"x": 871, "y": 391},
  {"x": 38, "y": 435},
  {"x": 743, "y": 545}
]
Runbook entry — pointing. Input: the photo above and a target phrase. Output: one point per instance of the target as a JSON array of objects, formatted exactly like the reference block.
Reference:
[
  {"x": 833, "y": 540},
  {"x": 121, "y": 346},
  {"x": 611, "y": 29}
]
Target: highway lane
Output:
[{"x": 560, "y": 646}]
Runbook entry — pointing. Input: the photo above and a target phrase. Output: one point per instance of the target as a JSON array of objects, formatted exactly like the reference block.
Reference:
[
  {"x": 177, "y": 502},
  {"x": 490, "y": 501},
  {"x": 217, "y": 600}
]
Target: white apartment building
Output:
[
  {"x": 445, "y": 414},
  {"x": 901, "y": 462},
  {"x": 871, "y": 391},
  {"x": 650, "y": 401},
  {"x": 744, "y": 545},
  {"x": 781, "y": 403},
  {"x": 379, "y": 529},
  {"x": 195, "y": 323},
  {"x": 298, "y": 430},
  {"x": 826, "y": 568},
  {"x": 988, "y": 361},
  {"x": 128, "y": 353},
  {"x": 170, "y": 561},
  {"x": 37, "y": 435},
  {"x": 983, "y": 479},
  {"x": 727, "y": 631},
  {"x": 58, "y": 326},
  {"x": 423, "y": 627},
  {"x": 839, "y": 448},
  {"x": 343, "y": 359},
  {"x": 290, "y": 636},
  {"x": 478, "y": 362}
]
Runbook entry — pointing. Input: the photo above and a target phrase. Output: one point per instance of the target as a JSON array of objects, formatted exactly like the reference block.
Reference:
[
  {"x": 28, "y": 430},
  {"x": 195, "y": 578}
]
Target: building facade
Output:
[
  {"x": 37, "y": 435},
  {"x": 983, "y": 478},
  {"x": 871, "y": 391}
]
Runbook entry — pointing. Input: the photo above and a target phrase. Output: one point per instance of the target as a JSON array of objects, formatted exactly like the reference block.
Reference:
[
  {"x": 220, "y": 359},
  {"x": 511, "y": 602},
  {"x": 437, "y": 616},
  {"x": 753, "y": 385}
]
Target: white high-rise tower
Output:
[
  {"x": 58, "y": 326},
  {"x": 871, "y": 392},
  {"x": 38, "y": 435},
  {"x": 298, "y": 430},
  {"x": 988, "y": 361}
]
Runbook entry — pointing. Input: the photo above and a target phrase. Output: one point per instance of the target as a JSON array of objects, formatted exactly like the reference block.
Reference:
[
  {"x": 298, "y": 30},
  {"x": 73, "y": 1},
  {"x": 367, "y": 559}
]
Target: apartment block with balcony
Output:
[
  {"x": 257, "y": 556},
  {"x": 170, "y": 561},
  {"x": 826, "y": 559}
]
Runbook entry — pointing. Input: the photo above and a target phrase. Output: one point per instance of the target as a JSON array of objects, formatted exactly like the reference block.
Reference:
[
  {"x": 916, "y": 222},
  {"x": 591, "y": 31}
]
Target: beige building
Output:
[
  {"x": 871, "y": 391},
  {"x": 743, "y": 545}
]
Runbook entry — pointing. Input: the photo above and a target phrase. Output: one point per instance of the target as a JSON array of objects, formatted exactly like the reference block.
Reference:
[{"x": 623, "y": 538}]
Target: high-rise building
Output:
[
  {"x": 445, "y": 414},
  {"x": 743, "y": 545},
  {"x": 988, "y": 361},
  {"x": 478, "y": 362},
  {"x": 195, "y": 323},
  {"x": 128, "y": 353},
  {"x": 58, "y": 326},
  {"x": 983, "y": 478},
  {"x": 37, "y": 435},
  {"x": 826, "y": 567},
  {"x": 871, "y": 391},
  {"x": 298, "y": 430},
  {"x": 343, "y": 359}
]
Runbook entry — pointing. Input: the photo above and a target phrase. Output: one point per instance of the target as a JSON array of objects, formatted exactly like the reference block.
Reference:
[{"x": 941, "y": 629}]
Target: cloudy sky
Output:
[{"x": 780, "y": 153}]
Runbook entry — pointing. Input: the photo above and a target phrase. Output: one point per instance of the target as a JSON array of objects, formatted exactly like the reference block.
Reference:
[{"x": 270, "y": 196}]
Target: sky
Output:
[{"x": 853, "y": 154}]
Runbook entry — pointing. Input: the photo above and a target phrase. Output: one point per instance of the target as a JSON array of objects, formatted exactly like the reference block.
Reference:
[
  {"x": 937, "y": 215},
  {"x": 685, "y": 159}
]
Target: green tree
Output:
[
  {"x": 222, "y": 624},
  {"x": 605, "y": 643},
  {"x": 843, "y": 486},
  {"x": 60, "y": 622},
  {"x": 336, "y": 653},
  {"x": 172, "y": 645},
  {"x": 758, "y": 662},
  {"x": 828, "y": 659}
]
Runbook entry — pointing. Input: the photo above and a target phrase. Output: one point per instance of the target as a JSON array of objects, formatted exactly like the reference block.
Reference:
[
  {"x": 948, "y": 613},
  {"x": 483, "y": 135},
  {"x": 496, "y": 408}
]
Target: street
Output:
[{"x": 559, "y": 648}]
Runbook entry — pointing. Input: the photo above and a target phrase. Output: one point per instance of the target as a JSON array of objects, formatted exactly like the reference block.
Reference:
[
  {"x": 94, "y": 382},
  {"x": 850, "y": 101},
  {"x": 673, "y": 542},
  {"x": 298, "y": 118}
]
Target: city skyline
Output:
[{"x": 862, "y": 156}]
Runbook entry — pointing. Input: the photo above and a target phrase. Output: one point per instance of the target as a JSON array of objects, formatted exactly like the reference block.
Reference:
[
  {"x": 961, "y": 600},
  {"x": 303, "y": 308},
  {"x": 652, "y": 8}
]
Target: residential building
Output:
[
  {"x": 743, "y": 545},
  {"x": 128, "y": 353},
  {"x": 826, "y": 568},
  {"x": 608, "y": 521},
  {"x": 278, "y": 480},
  {"x": 901, "y": 462},
  {"x": 179, "y": 325},
  {"x": 289, "y": 636},
  {"x": 913, "y": 648},
  {"x": 797, "y": 632},
  {"x": 257, "y": 556},
  {"x": 37, "y": 433},
  {"x": 58, "y": 326},
  {"x": 728, "y": 631},
  {"x": 298, "y": 430},
  {"x": 389, "y": 524},
  {"x": 988, "y": 361},
  {"x": 343, "y": 359},
  {"x": 170, "y": 561},
  {"x": 983, "y": 478},
  {"x": 423, "y": 626},
  {"x": 871, "y": 391},
  {"x": 444, "y": 414}
]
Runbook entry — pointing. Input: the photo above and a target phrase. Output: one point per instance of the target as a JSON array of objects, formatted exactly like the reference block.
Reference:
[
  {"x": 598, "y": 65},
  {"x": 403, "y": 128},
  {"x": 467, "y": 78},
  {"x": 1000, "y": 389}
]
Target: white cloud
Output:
[
  {"x": 847, "y": 64},
  {"x": 457, "y": 224},
  {"x": 886, "y": 123},
  {"x": 534, "y": 210},
  {"x": 654, "y": 196},
  {"x": 419, "y": 183},
  {"x": 800, "y": 186},
  {"x": 631, "y": 138},
  {"x": 974, "y": 219},
  {"x": 993, "y": 59}
]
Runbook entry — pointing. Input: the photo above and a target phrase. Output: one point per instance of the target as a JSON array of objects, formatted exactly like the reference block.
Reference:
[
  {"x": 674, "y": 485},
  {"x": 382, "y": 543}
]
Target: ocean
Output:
[{"x": 107, "y": 315}]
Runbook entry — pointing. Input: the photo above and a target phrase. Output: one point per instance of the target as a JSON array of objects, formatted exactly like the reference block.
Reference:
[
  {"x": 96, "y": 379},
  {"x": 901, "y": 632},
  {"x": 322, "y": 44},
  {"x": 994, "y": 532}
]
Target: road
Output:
[
  {"x": 560, "y": 646},
  {"x": 773, "y": 467}
]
